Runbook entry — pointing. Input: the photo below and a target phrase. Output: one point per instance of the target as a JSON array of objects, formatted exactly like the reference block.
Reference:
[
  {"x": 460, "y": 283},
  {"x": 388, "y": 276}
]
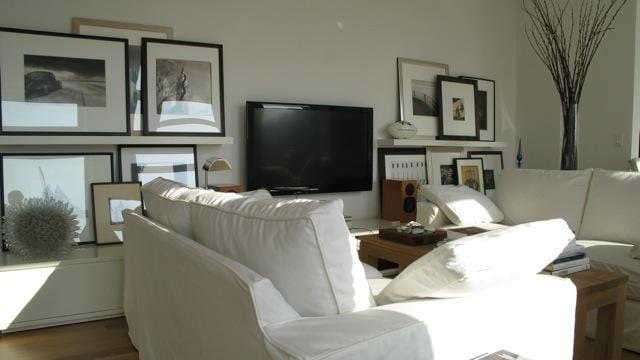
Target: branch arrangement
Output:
[{"x": 566, "y": 37}]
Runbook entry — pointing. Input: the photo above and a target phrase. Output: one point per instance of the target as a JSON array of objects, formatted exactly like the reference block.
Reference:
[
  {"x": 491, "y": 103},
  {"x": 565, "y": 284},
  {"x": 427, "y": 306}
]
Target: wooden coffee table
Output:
[
  {"x": 373, "y": 248},
  {"x": 607, "y": 292}
]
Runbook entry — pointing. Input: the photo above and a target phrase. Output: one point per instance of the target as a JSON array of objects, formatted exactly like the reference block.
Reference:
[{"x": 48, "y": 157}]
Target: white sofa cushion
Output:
[
  {"x": 533, "y": 195},
  {"x": 479, "y": 262},
  {"x": 430, "y": 215},
  {"x": 302, "y": 246},
  {"x": 611, "y": 212},
  {"x": 461, "y": 204}
]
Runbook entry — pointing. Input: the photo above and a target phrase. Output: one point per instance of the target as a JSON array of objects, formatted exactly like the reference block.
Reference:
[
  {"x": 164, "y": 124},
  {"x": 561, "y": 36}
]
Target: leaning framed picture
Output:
[
  {"x": 493, "y": 164},
  {"x": 67, "y": 177},
  {"x": 486, "y": 105},
  {"x": 144, "y": 163},
  {"x": 52, "y": 84},
  {"x": 134, "y": 34},
  {"x": 109, "y": 200},
  {"x": 418, "y": 96},
  {"x": 457, "y": 102},
  {"x": 403, "y": 164},
  {"x": 470, "y": 173},
  {"x": 183, "y": 88},
  {"x": 441, "y": 166}
]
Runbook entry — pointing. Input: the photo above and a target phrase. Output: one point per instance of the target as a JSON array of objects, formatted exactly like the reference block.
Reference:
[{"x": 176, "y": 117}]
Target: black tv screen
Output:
[{"x": 302, "y": 148}]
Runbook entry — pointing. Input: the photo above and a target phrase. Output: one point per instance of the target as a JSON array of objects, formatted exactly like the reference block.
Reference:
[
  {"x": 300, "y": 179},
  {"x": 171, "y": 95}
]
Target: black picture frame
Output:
[
  {"x": 194, "y": 149},
  {"x": 93, "y": 203},
  {"x": 66, "y": 132},
  {"x": 146, "y": 42},
  {"x": 489, "y": 134},
  {"x": 88, "y": 195},
  {"x": 481, "y": 183},
  {"x": 383, "y": 152},
  {"x": 443, "y": 122},
  {"x": 490, "y": 173}
]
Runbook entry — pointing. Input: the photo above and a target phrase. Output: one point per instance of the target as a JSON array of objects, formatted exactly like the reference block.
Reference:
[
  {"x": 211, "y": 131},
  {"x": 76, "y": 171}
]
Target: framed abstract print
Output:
[
  {"x": 183, "y": 88},
  {"x": 53, "y": 84},
  {"x": 418, "y": 98},
  {"x": 403, "y": 164},
  {"x": 134, "y": 34},
  {"x": 486, "y": 104},
  {"x": 142, "y": 163},
  {"x": 109, "y": 200},
  {"x": 457, "y": 101},
  {"x": 470, "y": 173}
]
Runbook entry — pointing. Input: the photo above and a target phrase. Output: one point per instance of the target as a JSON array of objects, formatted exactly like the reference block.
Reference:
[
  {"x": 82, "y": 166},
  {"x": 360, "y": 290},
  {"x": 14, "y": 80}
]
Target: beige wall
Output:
[
  {"x": 339, "y": 52},
  {"x": 606, "y": 107}
]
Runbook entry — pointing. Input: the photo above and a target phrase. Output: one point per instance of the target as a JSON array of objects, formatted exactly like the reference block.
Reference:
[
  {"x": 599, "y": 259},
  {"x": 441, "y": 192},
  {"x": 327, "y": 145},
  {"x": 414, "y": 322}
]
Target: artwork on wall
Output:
[
  {"x": 134, "y": 34},
  {"x": 441, "y": 166},
  {"x": 109, "y": 200},
  {"x": 144, "y": 163},
  {"x": 486, "y": 105},
  {"x": 470, "y": 173},
  {"x": 53, "y": 83},
  {"x": 403, "y": 164},
  {"x": 65, "y": 177},
  {"x": 458, "y": 118},
  {"x": 493, "y": 165},
  {"x": 418, "y": 96},
  {"x": 183, "y": 88}
]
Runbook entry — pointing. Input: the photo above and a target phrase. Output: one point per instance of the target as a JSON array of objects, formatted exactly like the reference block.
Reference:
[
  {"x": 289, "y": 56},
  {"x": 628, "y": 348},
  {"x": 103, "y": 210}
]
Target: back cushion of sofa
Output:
[
  {"x": 611, "y": 212},
  {"x": 302, "y": 246},
  {"x": 534, "y": 195}
]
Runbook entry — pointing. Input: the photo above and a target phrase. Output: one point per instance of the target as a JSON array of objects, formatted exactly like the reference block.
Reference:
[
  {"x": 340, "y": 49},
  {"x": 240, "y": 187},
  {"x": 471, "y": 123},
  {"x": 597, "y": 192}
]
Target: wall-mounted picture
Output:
[
  {"x": 458, "y": 118},
  {"x": 418, "y": 95},
  {"x": 184, "y": 88},
  {"x": 145, "y": 163},
  {"x": 65, "y": 177},
  {"x": 134, "y": 34},
  {"x": 53, "y": 83},
  {"x": 109, "y": 201},
  {"x": 486, "y": 105},
  {"x": 470, "y": 173},
  {"x": 403, "y": 164},
  {"x": 441, "y": 166},
  {"x": 493, "y": 164}
]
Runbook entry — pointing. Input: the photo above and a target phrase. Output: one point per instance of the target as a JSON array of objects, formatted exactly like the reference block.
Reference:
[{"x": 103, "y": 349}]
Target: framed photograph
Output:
[
  {"x": 134, "y": 34},
  {"x": 403, "y": 164},
  {"x": 418, "y": 97},
  {"x": 67, "y": 177},
  {"x": 109, "y": 200},
  {"x": 458, "y": 117},
  {"x": 470, "y": 173},
  {"x": 143, "y": 163},
  {"x": 486, "y": 105},
  {"x": 441, "y": 166},
  {"x": 493, "y": 164},
  {"x": 183, "y": 85},
  {"x": 53, "y": 83}
]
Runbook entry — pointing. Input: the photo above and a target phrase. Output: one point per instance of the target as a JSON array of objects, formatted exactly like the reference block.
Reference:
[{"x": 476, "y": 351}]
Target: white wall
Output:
[
  {"x": 332, "y": 51},
  {"x": 606, "y": 107}
]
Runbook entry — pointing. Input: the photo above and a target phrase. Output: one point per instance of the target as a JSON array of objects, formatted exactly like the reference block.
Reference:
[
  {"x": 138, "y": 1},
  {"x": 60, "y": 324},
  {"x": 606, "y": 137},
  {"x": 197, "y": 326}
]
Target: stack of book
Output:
[{"x": 572, "y": 259}]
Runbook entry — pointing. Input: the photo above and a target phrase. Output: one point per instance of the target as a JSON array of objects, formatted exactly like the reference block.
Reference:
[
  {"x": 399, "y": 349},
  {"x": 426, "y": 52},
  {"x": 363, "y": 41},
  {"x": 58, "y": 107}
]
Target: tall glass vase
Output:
[{"x": 569, "y": 159}]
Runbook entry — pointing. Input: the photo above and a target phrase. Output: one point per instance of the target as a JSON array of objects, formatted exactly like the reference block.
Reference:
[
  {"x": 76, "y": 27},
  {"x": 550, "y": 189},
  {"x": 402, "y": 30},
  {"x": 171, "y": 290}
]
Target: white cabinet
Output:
[{"x": 83, "y": 286}]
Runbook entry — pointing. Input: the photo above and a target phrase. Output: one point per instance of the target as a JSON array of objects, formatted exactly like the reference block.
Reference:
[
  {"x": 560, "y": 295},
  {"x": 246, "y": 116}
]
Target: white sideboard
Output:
[{"x": 85, "y": 285}]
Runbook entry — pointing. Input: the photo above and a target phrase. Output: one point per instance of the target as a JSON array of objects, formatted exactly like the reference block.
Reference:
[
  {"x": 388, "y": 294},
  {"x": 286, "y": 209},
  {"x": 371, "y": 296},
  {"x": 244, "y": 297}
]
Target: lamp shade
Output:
[{"x": 216, "y": 164}]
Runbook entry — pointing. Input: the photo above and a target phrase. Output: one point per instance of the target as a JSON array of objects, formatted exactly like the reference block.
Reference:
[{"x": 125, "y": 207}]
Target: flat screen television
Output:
[{"x": 304, "y": 148}]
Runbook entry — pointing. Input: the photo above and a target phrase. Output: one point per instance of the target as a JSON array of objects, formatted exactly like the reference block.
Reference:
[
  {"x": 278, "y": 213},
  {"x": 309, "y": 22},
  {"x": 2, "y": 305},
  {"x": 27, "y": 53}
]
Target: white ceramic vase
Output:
[{"x": 402, "y": 130}]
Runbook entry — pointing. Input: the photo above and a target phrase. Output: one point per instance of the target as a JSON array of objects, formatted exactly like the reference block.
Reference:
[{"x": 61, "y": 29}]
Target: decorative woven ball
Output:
[{"x": 39, "y": 228}]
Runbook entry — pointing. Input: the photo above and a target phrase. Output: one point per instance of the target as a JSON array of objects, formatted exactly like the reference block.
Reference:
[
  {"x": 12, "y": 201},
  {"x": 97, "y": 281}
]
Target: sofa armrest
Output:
[{"x": 518, "y": 317}]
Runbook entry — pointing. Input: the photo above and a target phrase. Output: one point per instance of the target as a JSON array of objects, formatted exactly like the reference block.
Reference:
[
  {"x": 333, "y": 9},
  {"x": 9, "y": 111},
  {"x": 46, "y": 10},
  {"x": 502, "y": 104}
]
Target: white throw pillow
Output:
[
  {"x": 475, "y": 263},
  {"x": 302, "y": 246},
  {"x": 461, "y": 204}
]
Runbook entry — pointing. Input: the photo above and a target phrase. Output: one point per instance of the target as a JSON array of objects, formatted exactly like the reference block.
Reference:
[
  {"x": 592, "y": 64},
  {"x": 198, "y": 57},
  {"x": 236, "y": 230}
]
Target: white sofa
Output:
[
  {"x": 185, "y": 300},
  {"x": 601, "y": 207}
]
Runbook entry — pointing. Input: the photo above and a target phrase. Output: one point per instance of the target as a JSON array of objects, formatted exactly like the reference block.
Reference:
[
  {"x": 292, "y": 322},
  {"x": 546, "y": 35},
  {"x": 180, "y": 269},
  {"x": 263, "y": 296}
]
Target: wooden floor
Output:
[{"x": 105, "y": 340}]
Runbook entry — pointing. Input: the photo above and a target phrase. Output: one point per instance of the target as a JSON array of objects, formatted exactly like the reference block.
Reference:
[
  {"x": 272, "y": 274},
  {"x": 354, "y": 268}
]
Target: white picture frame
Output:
[
  {"x": 493, "y": 165},
  {"x": 441, "y": 166}
]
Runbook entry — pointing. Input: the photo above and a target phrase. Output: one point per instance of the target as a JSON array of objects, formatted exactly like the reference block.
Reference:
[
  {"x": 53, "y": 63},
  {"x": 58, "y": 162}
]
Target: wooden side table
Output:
[
  {"x": 373, "y": 248},
  {"x": 607, "y": 292}
]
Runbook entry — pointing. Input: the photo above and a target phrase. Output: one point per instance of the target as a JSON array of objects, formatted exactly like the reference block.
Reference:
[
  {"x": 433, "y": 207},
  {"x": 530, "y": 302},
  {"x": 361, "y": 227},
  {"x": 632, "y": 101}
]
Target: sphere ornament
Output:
[{"x": 402, "y": 130}]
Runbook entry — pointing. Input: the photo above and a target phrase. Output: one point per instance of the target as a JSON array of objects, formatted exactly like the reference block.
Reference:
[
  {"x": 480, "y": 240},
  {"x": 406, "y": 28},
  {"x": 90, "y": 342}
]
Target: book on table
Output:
[
  {"x": 570, "y": 262},
  {"x": 568, "y": 271},
  {"x": 500, "y": 355}
]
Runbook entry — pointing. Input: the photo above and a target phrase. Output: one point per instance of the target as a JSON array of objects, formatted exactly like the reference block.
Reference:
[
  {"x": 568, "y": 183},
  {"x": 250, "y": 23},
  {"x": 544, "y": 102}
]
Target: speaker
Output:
[{"x": 399, "y": 200}]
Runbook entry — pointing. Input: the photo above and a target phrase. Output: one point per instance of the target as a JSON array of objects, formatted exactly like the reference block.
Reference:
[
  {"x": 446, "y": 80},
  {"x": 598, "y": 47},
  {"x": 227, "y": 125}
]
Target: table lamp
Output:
[{"x": 214, "y": 164}]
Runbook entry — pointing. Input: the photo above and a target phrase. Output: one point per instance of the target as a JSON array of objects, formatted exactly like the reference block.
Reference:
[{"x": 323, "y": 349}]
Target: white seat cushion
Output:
[
  {"x": 533, "y": 195},
  {"x": 611, "y": 212},
  {"x": 461, "y": 204},
  {"x": 431, "y": 216},
  {"x": 302, "y": 246},
  {"x": 615, "y": 257},
  {"x": 477, "y": 263}
]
